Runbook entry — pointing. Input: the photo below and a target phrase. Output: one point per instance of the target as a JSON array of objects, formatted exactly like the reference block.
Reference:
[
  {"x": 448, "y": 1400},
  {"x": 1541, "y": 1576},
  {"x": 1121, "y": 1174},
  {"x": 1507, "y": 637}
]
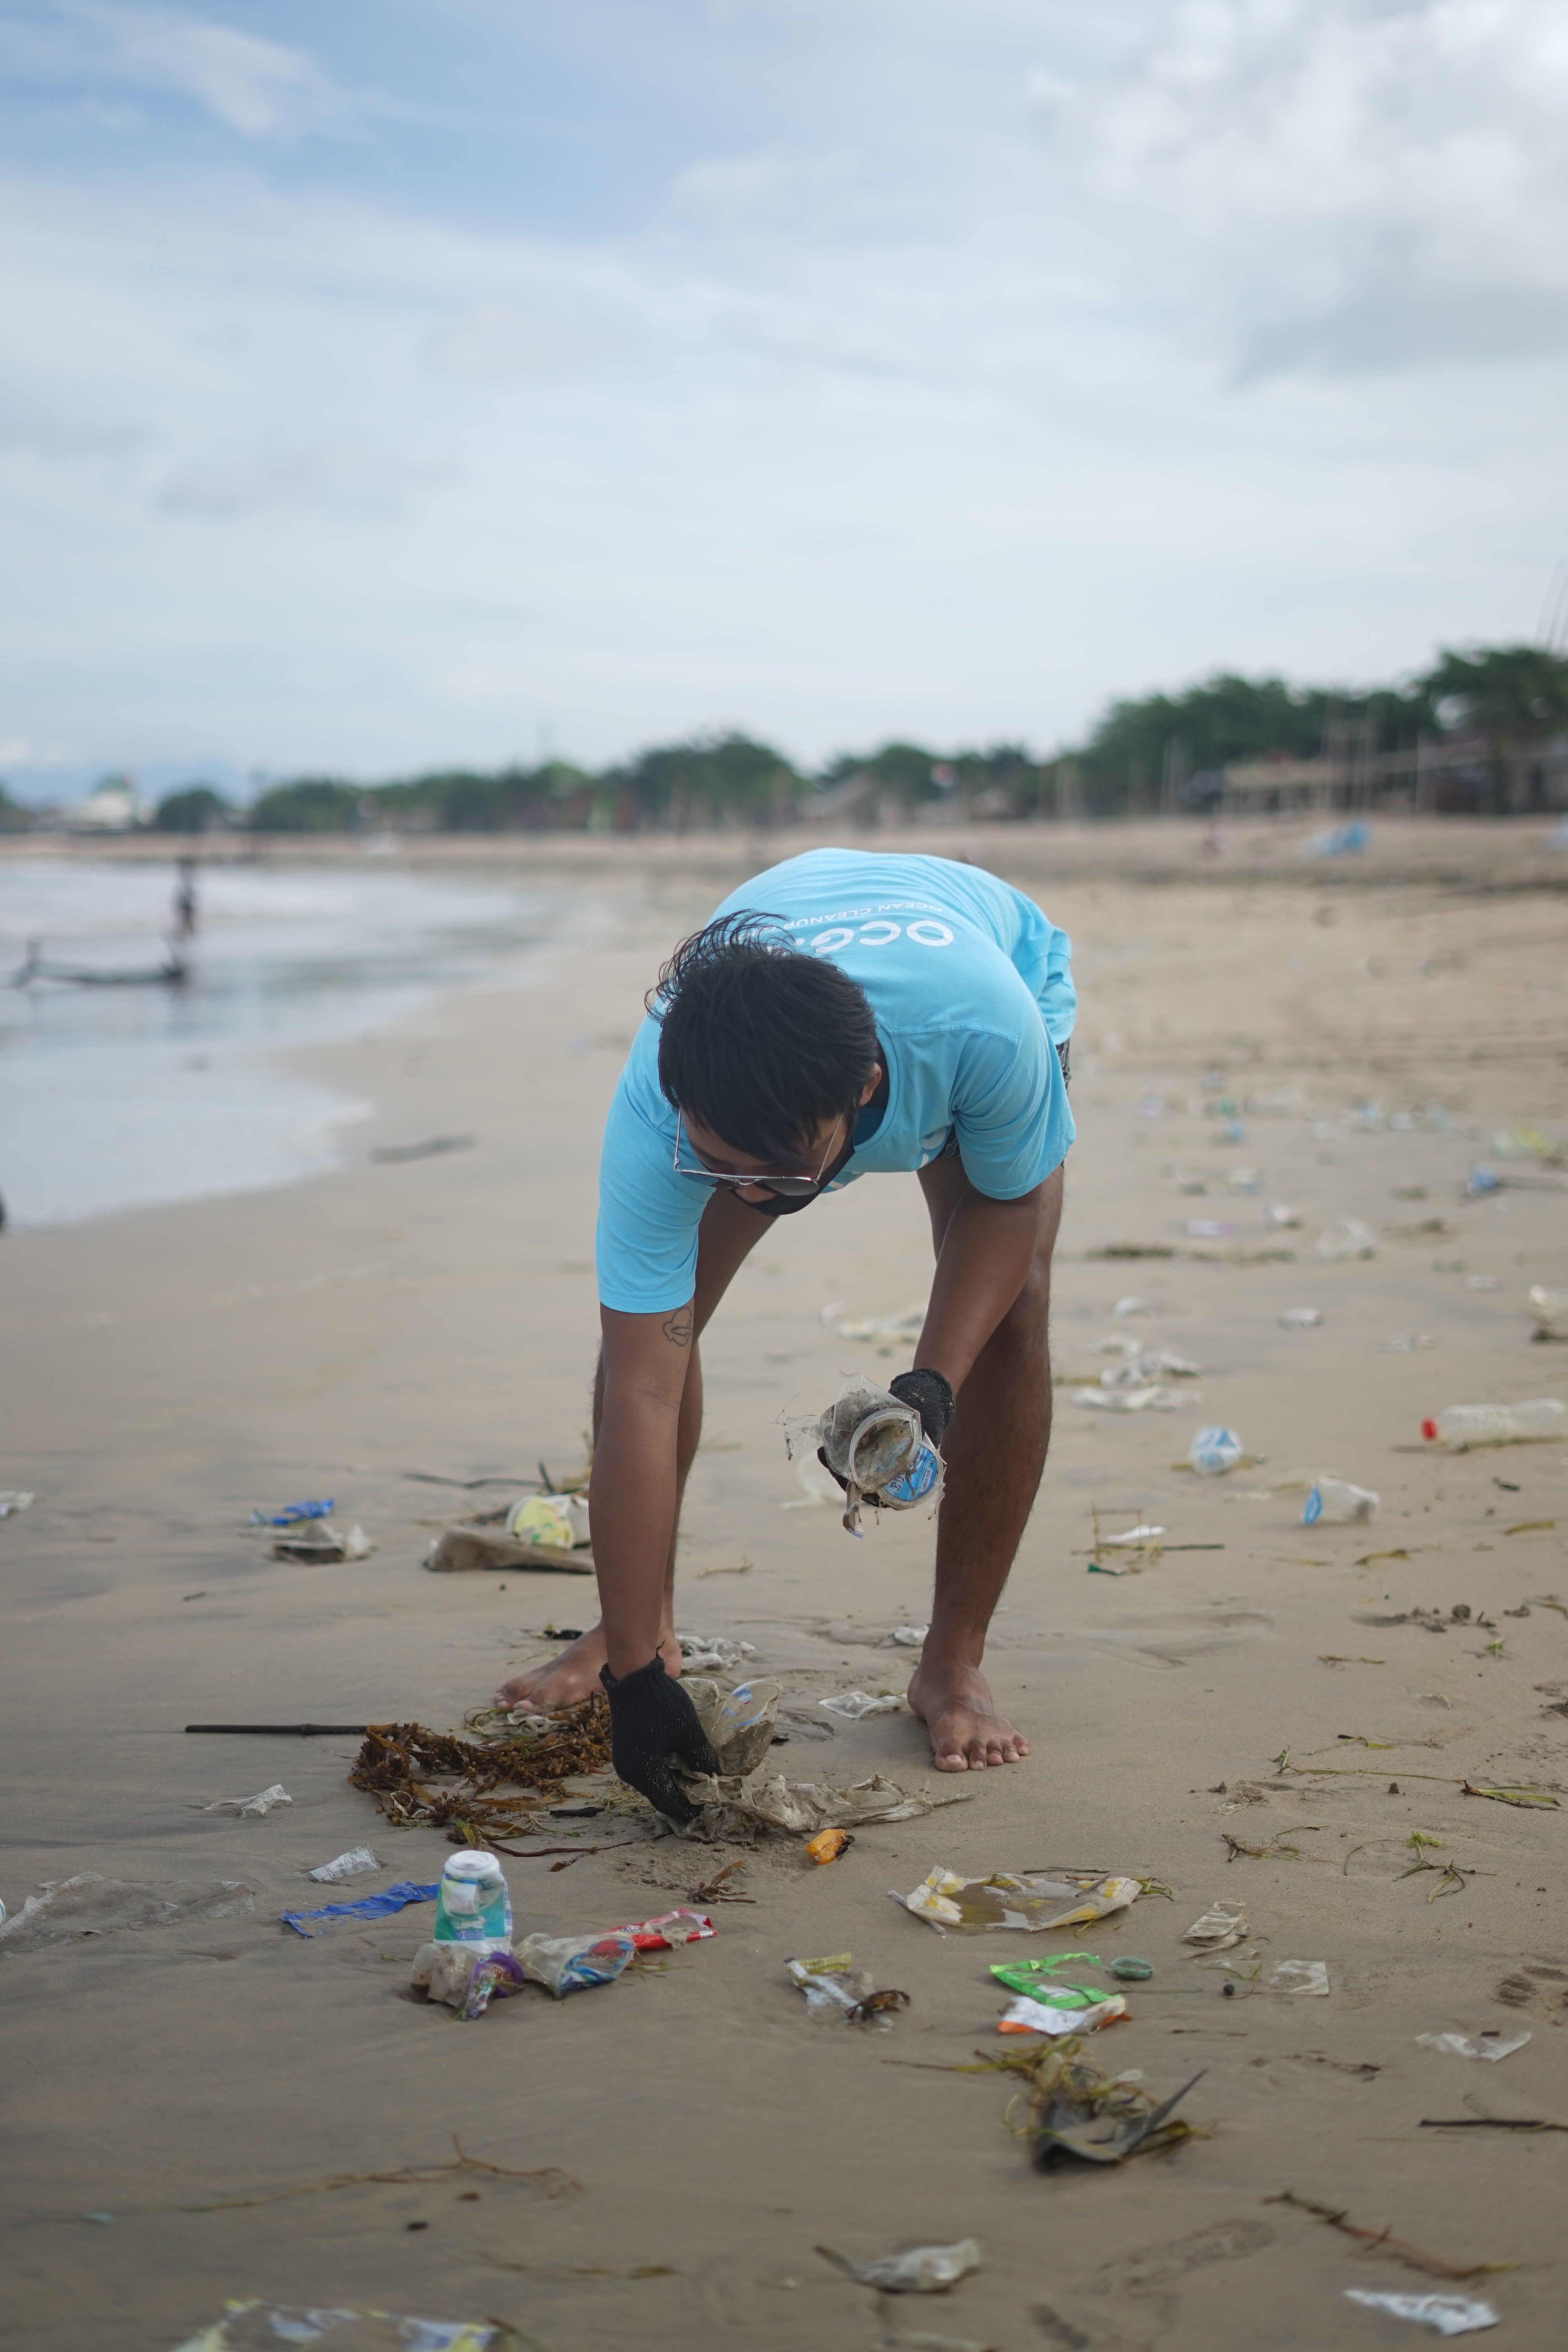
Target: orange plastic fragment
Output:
[{"x": 827, "y": 1845}]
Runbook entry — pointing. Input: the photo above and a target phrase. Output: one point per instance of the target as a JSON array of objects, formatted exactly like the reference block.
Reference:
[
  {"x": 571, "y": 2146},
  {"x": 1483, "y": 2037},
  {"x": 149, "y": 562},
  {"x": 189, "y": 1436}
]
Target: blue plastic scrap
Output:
[
  {"x": 291, "y": 1514},
  {"x": 370, "y": 1907}
]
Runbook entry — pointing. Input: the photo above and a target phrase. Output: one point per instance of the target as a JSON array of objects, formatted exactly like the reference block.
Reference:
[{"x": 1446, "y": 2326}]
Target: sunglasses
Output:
[{"x": 790, "y": 1185}]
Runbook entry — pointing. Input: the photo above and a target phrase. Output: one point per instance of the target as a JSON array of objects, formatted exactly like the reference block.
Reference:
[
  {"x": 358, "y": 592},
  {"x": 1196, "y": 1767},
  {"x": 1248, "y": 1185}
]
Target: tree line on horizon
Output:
[{"x": 1156, "y": 751}]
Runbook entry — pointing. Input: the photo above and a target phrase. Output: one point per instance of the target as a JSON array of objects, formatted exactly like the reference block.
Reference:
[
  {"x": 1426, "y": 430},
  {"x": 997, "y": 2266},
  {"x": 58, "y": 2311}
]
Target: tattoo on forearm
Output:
[{"x": 676, "y": 1327}]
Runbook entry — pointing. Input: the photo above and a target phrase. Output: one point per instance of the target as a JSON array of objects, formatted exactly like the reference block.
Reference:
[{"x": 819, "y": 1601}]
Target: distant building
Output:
[{"x": 114, "y": 807}]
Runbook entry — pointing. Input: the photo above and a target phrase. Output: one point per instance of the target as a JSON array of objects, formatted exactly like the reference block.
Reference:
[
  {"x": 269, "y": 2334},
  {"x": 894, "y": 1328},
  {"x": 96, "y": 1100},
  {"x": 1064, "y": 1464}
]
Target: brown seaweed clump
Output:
[{"x": 398, "y": 1760}]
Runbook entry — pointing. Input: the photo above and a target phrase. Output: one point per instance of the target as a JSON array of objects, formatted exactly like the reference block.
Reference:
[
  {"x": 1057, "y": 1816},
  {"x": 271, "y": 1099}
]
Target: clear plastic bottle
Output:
[
  {"x": 1459, "y": 1426},
  {"x": 473, "y": 1905}
]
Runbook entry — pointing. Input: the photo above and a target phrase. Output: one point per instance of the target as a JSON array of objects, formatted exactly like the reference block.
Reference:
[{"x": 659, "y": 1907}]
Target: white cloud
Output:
[
  {"x": 1330, "y": 186},
  {"x": 250, "y": 84}
]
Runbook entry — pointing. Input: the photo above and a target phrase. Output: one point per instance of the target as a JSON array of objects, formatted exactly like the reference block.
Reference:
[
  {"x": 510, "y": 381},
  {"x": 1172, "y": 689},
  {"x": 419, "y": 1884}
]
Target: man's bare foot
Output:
[
  {"x": 573, "y": 1675},
  {"x": 954, "y": 1704}
]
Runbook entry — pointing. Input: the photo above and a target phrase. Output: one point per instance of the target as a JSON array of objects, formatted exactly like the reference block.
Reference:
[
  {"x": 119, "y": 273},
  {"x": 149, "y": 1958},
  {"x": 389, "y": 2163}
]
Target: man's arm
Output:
[
  {"x": 633, "y": 1497},
  {"x": 986, "y": 1255}
]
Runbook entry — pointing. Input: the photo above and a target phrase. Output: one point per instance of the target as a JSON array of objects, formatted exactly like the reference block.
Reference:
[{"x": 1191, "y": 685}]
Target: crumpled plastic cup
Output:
[{"x": 1214, "y": 1450}]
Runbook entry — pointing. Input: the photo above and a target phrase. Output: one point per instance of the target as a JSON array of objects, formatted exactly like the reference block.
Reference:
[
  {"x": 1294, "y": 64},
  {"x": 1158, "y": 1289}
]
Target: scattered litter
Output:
[
  {"x": 1300, "y": 1977},
  {"x": 1340, "y": 840},
  {"x": 92, "y": 1905},
  {"x": 925, "y": 2269},
  {"x": 292, "y": 1513},
  {"x": 875, "y": 1445},
  {"x": 11, "y": 1502},
  {"x": 1209, "y": 1229},
  {"x": 1550, "y": 1308},
  {"x": 1076, "y": 2112},
  {"x": 1279, "y": 1212},
  {"x": 552, "y": 1522},
  {"x": 1480, "y": 1282},
  {"x": 431, "y": 1147},
  {"x": 248, "y": 2325},
  {"x": 397, "y": 1759},
  {"x": 909, "y": 1637},
  {"x": 1131, "y": 1971},
  {"x": 1221, "y": 1924},
  {"x": 1040, "y": 1980},
  {"x": 1244, "y": 1180},
  {"x": 1025, "y": 2015},
  {"x": 323, "y": 1543},
  {"x": 1145, "y": 1364},
  {"x": 1473, "y": 2045},
  {"x": 828, "y": 1844},
  {"x": 467, "y": 1977},
  {"x": 1132, "y": 1536},
  {"x": 369, "y": 1906},
  {"x": 1450, "y": 2315},
  {"x": 462, "y": 1549},
  {"x": 252, "y": 1807},
  {"x": 1337, "y": 1504},
  {"x": 853, "y": 1705},
  {"x": 1301, "y": 1318},
  {"x": 1153, "y": 1397},
  {"x": 834, "y": 1988},
  {"x": 1459, "y": 1427},
  {"x": 1213, "y": 1451},
  {"x": 1345, "y": 1240},
  {"x": 1406, "y": 1342},
  {"x": 1134, "y": 1305},
  {"x": 743, "y": 1798},
  {"x": 1003, "y": 1900},
  {"x": 906, "y": 1326},
  {"x": 355, "y": 1864},
  {"x": 712, "y": 1654},
  {"x": 671, "y": 1929}
]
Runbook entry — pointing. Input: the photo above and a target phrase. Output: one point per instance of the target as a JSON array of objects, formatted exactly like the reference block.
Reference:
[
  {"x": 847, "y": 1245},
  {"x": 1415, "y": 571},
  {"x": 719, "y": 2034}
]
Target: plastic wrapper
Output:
[
  {"x": 743, "y": 1798},
  {"x": 1300, "y": 1977},
  {"x": 1550, "y": 1308},
  {"x": 358, "y": 1861},
  {"x": 1473, "y": 2045},
  {"x": 924, "y": 2270},
  {"x": 369, "y": 1906},
  {"x": 1449, "y": 2315},
  {"x": 92, "y": 1905},
  {"x": 1221, "y": 1925},
  {"x": 669, "y": 1929},
  {"x": 252, "y": 1809},
  {"x": 1337, "y": 1504},
  {"x": 1027, "y": 2015},
  {"x": 1003, "y": 1900},
  {"x": 258, "y": 2326},
  {"x": 468, "y": 1977},
  {"x": 322, "y": 1544},
  {"x": 1345, "y": 1240},
  {"x": 853, "y": 1705}
]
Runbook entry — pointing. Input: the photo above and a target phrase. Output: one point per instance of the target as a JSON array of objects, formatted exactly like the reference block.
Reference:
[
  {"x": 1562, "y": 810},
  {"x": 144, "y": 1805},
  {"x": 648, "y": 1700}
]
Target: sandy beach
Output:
[{"x": 1350, "y": 1039}]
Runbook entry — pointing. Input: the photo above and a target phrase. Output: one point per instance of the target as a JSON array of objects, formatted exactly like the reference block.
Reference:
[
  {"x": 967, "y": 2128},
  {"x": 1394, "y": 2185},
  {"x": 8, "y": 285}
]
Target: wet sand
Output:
[{"x": 166, "y": 1371}]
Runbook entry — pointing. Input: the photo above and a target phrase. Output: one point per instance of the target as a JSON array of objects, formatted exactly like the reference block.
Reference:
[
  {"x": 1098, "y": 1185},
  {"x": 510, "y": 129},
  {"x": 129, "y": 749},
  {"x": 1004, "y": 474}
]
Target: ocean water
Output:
[{"x": 125, "y": 1096}]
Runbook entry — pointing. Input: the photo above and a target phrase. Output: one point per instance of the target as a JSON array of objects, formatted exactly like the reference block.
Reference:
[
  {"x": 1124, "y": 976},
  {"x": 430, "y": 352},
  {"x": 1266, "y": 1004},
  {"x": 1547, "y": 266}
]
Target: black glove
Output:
[
  {"x": 931, "y": 1397},
  {"x": 651, "y": 1719}
]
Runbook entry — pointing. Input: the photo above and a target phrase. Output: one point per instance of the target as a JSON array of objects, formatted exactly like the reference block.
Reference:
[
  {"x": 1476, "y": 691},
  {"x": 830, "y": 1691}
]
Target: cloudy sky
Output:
[{"x": 419, "y": 381}]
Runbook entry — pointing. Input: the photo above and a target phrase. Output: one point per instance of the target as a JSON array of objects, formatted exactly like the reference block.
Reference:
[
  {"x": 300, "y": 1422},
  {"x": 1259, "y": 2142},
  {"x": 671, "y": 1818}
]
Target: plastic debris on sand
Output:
[
  {"x": 467, "y": 1978},
  {"x": 292, "y": 1513},
  {"x": 876, "y": 1444},
  {"x": 1301, "y": 1318},
  {"x": 853, "y": 1705},
  {"x": 713, "y": 1653},
  {"x": 827, "y": 1845},
  {"x": 1347, "y": 1239},
  {"x": 1151, "y": 1397},
  {"x": 1550, "y": 1308},
  {"x": 1473, "y": 2045},
  {"x": 1213, "y": 1451},
  {"x": 369, "y": 1906},
  {"x": 1134, "y": 1305},
  {"x": 1030, "y": 1903},
  {"x": 248, "y": 2327},
  {"x": 924, "y": 2270},
  {"x": 1337, "y": 1504},
  {"x": 552, "y": 1522},
  {"x": 251, "y": 1809},
  {"x": 1221, "y": 1925},
  {"x": 1450, "y": 2315},
  {"x": 836, "y": 1989},
  {"x": 1537, "y": 1421},
  {"x": 355, "y": 1864},
  {"x": 1027, "y": 2015},
  {"x": 12, "y": 1501},
  {"x": 744, "y": 1798},
  {"x": 1300, "y": 1977},
  {"x": 909, "y": 1637},
  {"x": 323, "y": 1543},
  {"x": 904, "y": 1325},
  {"x": 91, "y": 1905}
]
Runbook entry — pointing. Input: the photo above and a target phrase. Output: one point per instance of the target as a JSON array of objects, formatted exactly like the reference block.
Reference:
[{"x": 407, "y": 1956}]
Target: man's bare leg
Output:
[
  {"x": 994, "y": 1452},
  {"x": 728, "y": 1232}
]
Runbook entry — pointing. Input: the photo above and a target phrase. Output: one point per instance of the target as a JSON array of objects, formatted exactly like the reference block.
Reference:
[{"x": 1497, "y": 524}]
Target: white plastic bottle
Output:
[
  {"x": 1459, "y": 1426},
  {"x": 474, "y": 1907}
]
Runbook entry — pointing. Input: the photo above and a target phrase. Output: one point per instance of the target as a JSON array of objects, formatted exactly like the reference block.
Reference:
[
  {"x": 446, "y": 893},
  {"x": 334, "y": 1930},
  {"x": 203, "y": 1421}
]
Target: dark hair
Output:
[{"x": 759, "y": 1042}]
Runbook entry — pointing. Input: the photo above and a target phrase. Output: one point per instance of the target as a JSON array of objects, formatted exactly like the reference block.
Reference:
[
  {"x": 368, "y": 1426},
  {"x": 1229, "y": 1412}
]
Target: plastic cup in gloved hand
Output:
[
  {"x": 916, "y": 1482},
  {"x": 473, "y": 1905}
]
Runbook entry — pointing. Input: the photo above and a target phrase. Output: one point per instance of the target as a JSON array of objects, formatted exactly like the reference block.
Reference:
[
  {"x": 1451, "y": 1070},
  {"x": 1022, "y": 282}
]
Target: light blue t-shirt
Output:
[{"x": 971, "y": 990}]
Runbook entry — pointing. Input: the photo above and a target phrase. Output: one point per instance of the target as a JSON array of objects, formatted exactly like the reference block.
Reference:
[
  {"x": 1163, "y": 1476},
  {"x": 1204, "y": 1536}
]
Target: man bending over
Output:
[{"x": 843, "y": 1016}]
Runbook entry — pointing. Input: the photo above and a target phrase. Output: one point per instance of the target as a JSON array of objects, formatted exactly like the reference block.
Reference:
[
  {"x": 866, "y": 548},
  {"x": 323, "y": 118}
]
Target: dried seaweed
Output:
[
  {"x": 1077, "y": 2110},
  {"x": 1415, "y": 2257},
  {"x": 398, "y": 1759}
]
